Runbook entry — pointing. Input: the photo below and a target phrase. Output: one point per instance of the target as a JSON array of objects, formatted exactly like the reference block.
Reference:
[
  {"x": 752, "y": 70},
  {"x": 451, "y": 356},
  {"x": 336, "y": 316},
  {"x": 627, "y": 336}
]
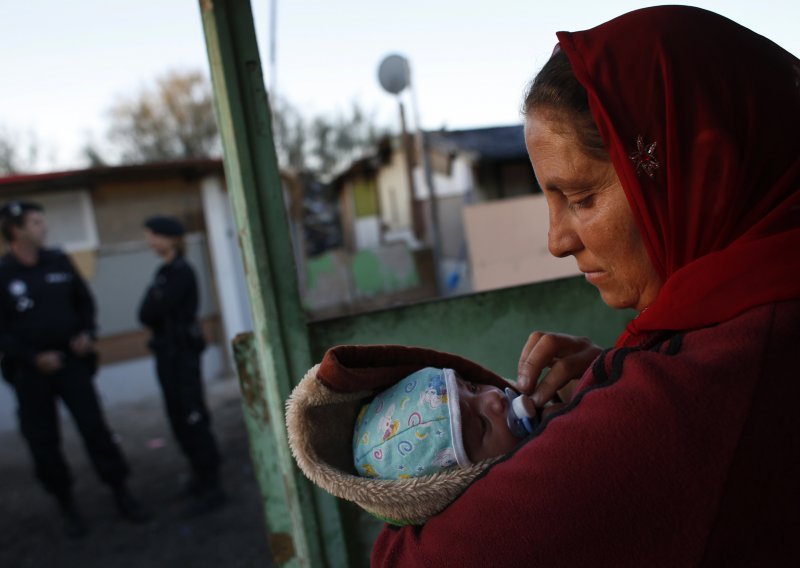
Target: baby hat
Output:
[{"x": 411, "y": 429}]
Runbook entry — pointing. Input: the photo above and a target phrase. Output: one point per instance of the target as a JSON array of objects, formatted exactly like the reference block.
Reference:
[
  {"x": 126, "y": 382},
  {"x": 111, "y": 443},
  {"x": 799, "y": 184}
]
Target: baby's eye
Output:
[{"x": 472, "y": 387}]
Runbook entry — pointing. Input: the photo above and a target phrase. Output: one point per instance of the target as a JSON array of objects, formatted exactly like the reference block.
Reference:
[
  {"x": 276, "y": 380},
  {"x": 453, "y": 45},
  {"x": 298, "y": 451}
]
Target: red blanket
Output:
[{"x": 684, "y": 454}]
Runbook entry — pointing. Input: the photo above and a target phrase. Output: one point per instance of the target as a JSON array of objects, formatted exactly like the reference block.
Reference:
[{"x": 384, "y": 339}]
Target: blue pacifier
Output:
[{"x": 519, "y": 420}]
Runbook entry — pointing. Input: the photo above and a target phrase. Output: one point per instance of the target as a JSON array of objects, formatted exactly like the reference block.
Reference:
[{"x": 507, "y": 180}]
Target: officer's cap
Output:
[
  {"x": 16, "y": 209},
  {"x": 166, "y": 226}
]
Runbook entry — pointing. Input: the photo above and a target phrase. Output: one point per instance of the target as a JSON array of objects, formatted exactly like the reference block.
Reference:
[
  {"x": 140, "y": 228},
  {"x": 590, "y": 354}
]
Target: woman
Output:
[
  {"x": 667, "y": 142},
  {"x": 169, "y": 309}
]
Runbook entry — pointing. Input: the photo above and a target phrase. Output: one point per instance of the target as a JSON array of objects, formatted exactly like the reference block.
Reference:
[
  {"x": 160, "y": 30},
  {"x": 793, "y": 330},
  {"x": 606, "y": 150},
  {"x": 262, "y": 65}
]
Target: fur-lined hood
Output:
[{"x": 320, "y": 418}]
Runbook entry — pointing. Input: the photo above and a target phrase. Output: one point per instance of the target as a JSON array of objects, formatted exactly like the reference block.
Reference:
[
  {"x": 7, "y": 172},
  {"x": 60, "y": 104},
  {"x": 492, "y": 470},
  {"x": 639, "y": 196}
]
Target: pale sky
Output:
[{"x": 65, "y": 63}]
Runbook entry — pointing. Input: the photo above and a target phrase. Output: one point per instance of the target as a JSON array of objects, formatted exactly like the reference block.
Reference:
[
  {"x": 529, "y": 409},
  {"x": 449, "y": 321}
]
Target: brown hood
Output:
[{"x": 320, "y": 423}]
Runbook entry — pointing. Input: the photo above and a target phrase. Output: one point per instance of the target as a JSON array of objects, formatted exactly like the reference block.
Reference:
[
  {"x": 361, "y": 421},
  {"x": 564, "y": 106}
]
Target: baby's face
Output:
[{"x": 483, "y": 421}]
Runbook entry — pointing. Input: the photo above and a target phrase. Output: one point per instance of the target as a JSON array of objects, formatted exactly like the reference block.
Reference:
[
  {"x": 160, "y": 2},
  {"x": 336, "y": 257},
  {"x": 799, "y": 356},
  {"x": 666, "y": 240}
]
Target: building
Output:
[
  {"x": 480, "y": 177},
  {"x": 96, "y": 216}
]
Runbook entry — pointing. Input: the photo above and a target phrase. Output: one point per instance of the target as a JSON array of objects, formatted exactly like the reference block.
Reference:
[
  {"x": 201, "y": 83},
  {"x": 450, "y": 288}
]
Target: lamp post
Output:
[{"x": 394, "y": 75}]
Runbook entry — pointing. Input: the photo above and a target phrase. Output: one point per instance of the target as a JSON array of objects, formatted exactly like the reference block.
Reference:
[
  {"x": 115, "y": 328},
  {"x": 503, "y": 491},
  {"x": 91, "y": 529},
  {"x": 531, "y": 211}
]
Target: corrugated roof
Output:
[
  {"x": 69, "y": 179},
  {"x": 493, "y": 143}
]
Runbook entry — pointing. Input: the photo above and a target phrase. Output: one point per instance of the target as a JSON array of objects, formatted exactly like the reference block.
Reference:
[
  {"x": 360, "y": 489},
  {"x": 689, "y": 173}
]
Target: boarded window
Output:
[{"x": 365, "y": 196}]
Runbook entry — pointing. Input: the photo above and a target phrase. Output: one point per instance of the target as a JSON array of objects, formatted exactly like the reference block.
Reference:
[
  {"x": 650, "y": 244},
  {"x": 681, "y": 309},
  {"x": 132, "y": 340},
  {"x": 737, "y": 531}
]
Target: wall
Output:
[
  {"x": 367, "y": 232},
  {"x": 489, "y": 328},
  {"x": 451, "y": 225},
  {"x": 365, "y": 196},
  {"x": 125, "y": 271},
  {"x": 518, "y": 179},
  {"x": 507, "y": 243},
  {"x": 341, "y": 282},
  {"x": 392, "y": 180},
  {"x": 121, "y": 208},
  {"x": 458, "y": 182},
  {"x": 348, "y": 217},
  {"x": 501, "y": 180}
]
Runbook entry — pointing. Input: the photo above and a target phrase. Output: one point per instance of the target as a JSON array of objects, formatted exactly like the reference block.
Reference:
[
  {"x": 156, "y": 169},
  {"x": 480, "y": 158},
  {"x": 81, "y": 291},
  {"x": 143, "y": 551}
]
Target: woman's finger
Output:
[
  {"x": 560, "y": 374},
  {"x": 542, "y": 351},
  {"x": 564, "y": 371},
  {"x": 533, "y": 339},
  {"x": 536, "y": 355}
]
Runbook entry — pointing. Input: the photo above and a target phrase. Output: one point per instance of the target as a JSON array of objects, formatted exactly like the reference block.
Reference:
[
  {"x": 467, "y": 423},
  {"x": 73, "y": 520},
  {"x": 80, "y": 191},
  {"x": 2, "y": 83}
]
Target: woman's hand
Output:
[
  {"x": 81, "y": 344},
  {"x": 567, "y": 356},
  {"x": 48, "y": 362}
]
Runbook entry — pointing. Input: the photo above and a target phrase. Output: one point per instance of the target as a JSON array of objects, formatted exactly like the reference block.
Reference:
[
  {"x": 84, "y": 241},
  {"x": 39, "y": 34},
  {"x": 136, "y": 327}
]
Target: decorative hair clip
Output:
[{"x": 644, "y": 157}]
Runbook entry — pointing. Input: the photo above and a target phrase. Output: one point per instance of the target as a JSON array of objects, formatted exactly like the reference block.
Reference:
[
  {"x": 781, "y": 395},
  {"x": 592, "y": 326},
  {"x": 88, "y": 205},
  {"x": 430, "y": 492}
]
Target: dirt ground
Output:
[{"x": 30, "y": 529}]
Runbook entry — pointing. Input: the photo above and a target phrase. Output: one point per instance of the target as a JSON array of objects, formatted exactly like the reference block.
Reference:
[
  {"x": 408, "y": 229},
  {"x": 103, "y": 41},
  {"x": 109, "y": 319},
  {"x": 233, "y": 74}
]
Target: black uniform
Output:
[
  {"x": 169, "y": 309},
  {"x": 42, "y": 307}
]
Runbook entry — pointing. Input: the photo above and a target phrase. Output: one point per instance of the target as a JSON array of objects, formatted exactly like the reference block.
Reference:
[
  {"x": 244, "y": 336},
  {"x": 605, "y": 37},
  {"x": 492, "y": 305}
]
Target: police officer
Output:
[
  {"x": 169, "y": 309},
  {"x": 47, "y": 328}
]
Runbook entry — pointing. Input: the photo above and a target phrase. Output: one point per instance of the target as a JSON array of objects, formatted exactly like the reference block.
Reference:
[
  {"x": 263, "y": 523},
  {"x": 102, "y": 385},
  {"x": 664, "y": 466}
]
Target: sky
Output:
[{"x": 65, "y": 63}]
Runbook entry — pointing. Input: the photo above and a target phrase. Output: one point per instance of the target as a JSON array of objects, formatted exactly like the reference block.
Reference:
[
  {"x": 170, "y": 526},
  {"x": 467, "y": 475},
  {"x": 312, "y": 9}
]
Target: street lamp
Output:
[{"x": 394, "y": 75}]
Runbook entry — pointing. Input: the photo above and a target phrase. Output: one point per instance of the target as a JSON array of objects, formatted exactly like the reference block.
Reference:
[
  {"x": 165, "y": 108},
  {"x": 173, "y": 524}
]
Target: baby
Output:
[
  {"x": 398, "y": 431},
  {"x": 433, "y": 420}
]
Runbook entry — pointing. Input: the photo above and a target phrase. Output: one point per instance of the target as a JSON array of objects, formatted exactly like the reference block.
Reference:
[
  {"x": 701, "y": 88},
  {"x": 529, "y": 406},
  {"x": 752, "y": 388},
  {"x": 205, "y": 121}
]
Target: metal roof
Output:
[
  {"x": 190, "y": 169},
  {"x": 496, "y": 143}
]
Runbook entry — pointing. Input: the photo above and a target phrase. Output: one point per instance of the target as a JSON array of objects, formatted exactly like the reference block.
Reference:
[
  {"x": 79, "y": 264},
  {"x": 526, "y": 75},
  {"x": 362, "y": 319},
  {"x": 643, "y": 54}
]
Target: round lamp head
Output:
[{"x": 393, "y": 73}]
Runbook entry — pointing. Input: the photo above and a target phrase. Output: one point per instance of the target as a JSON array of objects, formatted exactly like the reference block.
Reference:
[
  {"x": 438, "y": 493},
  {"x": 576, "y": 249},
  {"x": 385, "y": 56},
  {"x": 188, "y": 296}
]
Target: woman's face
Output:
[
  {"x": 159, "y": 244},
  {"x": 590, "y": 218}
]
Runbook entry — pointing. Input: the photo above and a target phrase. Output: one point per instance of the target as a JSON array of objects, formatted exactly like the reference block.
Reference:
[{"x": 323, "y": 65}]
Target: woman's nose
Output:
[{"x": 562, "y": 240}]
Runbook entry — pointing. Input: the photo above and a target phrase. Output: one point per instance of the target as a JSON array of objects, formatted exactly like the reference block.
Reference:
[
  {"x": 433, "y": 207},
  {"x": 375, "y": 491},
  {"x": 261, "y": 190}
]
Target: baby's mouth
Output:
[{"x": 515, "y": 423}]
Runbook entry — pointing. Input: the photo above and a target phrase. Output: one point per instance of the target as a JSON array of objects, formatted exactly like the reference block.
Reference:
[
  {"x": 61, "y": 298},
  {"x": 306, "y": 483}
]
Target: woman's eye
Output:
[{"x": 581, "y": 203}]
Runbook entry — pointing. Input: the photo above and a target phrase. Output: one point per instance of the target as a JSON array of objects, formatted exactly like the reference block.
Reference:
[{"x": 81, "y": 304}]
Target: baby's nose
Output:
[{"x": 493, "y": 401}]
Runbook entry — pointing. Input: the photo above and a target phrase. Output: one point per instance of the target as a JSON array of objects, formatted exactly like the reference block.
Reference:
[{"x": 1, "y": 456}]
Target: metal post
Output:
[
  {"x": 280, "y": 331},
  {"x": 417, "y": 218},
  {"x": 434, "y": 200}
]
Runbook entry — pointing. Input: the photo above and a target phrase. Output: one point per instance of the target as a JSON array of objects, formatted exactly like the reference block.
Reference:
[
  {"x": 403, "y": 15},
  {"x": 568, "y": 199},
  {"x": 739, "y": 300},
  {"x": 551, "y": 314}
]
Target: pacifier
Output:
[{"x": 519, "y": 419}]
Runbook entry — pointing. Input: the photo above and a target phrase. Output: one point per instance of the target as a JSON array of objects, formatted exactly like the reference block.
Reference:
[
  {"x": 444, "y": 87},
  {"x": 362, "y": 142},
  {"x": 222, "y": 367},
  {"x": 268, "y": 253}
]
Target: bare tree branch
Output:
[
  {"x": 17, "y": 154},
  {"x": 173, "y": 120}
]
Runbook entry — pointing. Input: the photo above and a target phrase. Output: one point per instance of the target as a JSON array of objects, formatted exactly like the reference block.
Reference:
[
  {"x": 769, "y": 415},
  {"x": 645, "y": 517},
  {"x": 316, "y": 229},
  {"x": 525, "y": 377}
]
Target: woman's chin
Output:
[{"x": 616, "y": 301}]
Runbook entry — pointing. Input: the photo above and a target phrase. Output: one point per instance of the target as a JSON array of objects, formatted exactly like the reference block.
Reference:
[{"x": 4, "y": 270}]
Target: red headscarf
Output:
[{"x": 720, "y": 216}]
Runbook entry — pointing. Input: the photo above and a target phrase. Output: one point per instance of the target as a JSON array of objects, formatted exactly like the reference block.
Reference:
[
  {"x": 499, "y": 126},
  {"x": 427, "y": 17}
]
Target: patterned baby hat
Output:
[{"x": 412, "y": 428}]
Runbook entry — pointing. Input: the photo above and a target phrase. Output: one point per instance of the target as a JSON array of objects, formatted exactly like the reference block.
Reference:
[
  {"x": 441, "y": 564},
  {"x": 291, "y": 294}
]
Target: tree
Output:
[
  {"x": 336, "y": 142},
  {"x": 289, "y": 132},
  {"x": 172, "y": 120},
  {"x": 323, "y": 145},
  {"x": 175, "y": 120},
  {"x": 17, "y": 155}
]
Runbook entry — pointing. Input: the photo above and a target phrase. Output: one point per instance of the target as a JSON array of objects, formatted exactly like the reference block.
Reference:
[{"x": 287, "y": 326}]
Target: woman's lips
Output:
[{"x": 594, "y": 277}]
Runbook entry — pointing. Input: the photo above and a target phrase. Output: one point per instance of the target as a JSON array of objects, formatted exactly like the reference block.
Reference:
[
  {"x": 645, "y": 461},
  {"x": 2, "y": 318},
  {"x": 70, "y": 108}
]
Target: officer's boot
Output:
[
  {"x": 208, "y": 496},
  {"x": 73, "y": 522},
  {"x": 188, "y": 488},
  {"x": 128, "y": 506}
]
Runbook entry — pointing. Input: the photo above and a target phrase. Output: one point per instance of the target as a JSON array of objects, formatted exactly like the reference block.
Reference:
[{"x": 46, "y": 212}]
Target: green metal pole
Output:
[
  {"x": 280, "y": 333},
  {"x": 258, "y": 420}
]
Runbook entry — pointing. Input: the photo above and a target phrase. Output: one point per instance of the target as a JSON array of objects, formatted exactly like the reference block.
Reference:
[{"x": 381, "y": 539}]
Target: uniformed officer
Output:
[
  {"x": 47, "y": 329},
  {"x": 169, "y": 309}
]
